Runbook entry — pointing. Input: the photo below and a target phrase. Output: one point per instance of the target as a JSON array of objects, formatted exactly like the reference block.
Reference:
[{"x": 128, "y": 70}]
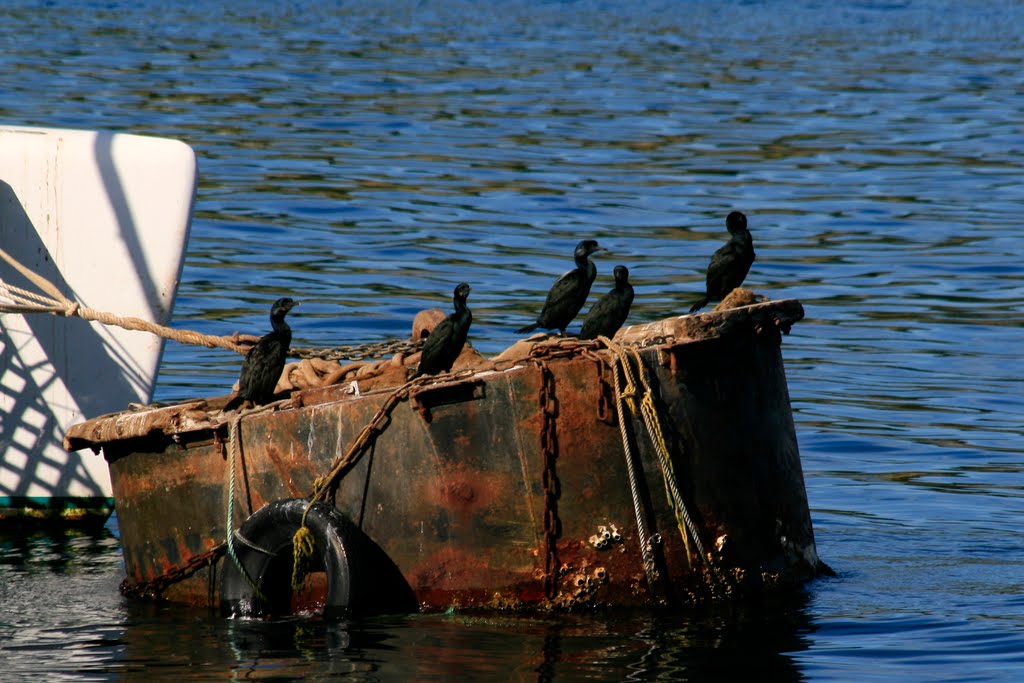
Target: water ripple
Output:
[{"x": 364, "y": 158}]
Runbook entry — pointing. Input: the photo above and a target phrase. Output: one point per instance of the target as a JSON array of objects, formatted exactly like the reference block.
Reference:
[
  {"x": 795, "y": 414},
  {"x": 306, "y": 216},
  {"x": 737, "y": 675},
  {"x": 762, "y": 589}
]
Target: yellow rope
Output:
[
  {"x": 649, "y": 412},
  {"x": 628, "y": 393},
  {"x": 650, "y": 415},
  {"x": 303, "y": 544},
  {"x": 646, "y": 550}
]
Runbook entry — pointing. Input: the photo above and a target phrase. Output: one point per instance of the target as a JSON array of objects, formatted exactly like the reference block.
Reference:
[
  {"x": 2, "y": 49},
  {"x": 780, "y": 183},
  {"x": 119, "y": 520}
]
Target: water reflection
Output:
[
  {"x": 725, "y": 642},
  {"x": 106, "y": 635},
  {"x": 57, "y": 550}
]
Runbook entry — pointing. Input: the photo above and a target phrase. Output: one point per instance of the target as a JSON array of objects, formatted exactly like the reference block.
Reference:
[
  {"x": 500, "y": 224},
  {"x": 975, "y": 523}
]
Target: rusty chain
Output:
[
  {"x": 244, "y": 342},
  {"x": 326, "y": 484},
  {"x": 154, "y": 588},
  {"x": 324, "y": 487},
  {"x": 552, "y": 486},
  {"x": 359, "y": 351}
]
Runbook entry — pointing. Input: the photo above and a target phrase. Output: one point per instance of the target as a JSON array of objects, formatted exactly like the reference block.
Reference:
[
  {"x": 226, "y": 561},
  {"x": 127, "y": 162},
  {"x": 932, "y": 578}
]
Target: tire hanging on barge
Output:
[{"x": 360, "y": 578}]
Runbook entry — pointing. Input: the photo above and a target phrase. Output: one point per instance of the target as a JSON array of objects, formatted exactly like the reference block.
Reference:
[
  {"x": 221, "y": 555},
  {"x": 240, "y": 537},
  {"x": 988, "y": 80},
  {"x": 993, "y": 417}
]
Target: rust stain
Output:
[
  {"x": 447, "y": 568},
  {"x": 452, "y": 577},
  {"x": 465, "y": 491},
  {"x": 284, "y": 470},
  {"x": 461, "y": 492},
  {"x": 458, "y": 503}
]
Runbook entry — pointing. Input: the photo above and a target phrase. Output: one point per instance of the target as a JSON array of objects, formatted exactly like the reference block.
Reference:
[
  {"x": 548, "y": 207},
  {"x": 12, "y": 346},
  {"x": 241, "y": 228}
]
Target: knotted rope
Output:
[
  {"x": 649, "y": 412},
  {"x": 49, "y": 299}
]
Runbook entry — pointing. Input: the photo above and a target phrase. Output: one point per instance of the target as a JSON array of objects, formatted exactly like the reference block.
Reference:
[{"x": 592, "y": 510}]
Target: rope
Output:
[
  {"x": 629, "y": 393},
  {"x": 302, "y": 541},
  {"x": 19, "y": 300},
  {"x": 233, "y": 442},
  {"x": 650, "y": 415},
  {"x": 648, "y": 410},
  {"x": 303, "y": 544},
  {"x": 634, "y": 488},
  {"x": 25, "y": 301}
]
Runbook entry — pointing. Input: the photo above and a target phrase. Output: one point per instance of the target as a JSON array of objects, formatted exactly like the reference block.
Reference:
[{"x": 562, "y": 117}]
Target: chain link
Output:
[
  {"x": 548, "y": 403},
  {"x": 325, "y": 486},
  {"x": 359, "y": 351},
  {"x": 552, "y": 486},
  {"x": 605, "y": 403},
  {"x": 155, "y": 587}
]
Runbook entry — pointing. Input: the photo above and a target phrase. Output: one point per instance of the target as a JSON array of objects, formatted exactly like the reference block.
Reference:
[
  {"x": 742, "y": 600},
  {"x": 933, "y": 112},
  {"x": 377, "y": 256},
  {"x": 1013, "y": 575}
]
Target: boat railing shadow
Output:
[
  {"x": 56, "y": 370},
  {"x": 35, "y": 377}
]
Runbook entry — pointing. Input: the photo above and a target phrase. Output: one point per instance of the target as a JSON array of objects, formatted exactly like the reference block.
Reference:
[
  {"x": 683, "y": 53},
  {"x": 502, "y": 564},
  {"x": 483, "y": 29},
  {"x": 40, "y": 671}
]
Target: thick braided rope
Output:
[
  {"x": 18, "y": 300},
  {"x": 25, "y": 301}
]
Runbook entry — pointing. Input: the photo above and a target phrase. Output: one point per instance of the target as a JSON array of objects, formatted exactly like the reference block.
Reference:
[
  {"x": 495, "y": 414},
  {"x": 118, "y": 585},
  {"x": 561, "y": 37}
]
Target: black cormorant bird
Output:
[
  {"x": 445, "y": 342},
  {"x": 265, "y": 360},
  {"x": 730, "y": 264},
  {"x": 607, "y": 315},
  {"x": 569, "y": 292}
]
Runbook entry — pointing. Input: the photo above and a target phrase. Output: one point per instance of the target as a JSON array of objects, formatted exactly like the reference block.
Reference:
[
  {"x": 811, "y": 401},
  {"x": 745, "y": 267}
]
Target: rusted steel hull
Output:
[{"x": 507, "y": 487}]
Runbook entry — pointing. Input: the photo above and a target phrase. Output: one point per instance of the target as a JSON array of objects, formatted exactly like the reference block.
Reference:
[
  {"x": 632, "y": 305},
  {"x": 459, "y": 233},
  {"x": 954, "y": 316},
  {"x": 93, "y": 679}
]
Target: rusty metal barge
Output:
[{"x": 660, "y": 468}]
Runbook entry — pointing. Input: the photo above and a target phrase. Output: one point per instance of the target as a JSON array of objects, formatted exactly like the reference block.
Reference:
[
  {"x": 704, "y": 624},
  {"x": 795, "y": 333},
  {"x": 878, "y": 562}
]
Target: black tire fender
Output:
[{"x": 361, "y": 578}]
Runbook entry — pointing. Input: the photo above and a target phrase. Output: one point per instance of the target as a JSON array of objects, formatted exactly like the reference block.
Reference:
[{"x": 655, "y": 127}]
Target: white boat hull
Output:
[{"x": 105, "y": 217}]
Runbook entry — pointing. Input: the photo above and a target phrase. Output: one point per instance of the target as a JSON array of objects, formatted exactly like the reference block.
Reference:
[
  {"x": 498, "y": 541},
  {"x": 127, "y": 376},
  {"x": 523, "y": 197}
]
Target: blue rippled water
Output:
[{"x": 364, "y": 157}]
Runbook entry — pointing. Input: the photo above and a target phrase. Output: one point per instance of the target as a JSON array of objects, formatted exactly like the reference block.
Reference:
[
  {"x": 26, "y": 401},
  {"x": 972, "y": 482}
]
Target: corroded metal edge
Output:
[{"x": 715, "y": 324}]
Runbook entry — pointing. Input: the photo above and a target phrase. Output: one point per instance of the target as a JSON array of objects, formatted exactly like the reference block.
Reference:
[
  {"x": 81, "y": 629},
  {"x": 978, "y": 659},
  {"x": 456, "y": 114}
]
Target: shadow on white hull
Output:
[{"x": 105, "y": 217}]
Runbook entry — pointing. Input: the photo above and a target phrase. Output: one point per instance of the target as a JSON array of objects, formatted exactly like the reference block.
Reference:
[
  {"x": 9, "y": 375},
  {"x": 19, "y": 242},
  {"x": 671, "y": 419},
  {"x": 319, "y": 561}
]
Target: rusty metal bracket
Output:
[
  {"x": 219, "y": 443},
  {"x": 430, "y": 396}
]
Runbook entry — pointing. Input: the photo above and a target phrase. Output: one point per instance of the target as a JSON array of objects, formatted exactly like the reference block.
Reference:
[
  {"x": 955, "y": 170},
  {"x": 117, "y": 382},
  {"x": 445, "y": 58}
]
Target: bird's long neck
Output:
[
  {"x": 279, "y": 325},
  {"x": 584, "y": 263},
  {"x": 460, "y": 304}
]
